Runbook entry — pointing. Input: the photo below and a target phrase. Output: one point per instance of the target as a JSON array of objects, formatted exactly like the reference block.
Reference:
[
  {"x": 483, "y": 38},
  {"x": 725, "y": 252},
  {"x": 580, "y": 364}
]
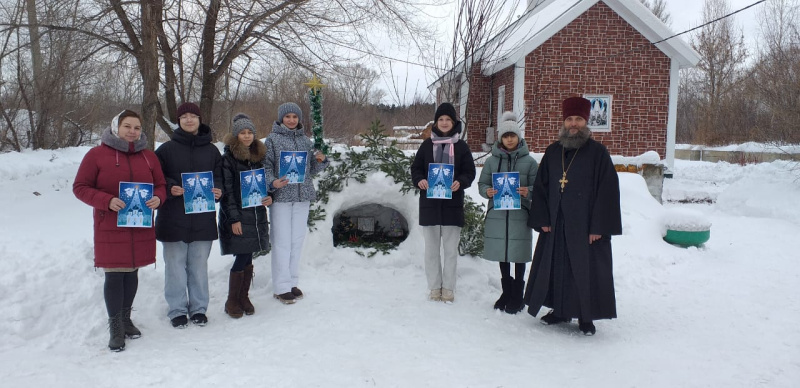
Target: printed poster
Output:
[
  {"x": 293, "y": 166},
  {"x": 135, "y": 214},
  {"x": 253, "y": 186},
  {"x": 198, "y": 197},
  {"x": 440, "y": 180},
  {"x": 506, "y": 184}
]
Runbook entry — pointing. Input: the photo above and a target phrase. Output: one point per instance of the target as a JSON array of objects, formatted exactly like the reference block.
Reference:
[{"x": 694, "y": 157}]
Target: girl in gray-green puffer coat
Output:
[{"x": 507, "y": 237}]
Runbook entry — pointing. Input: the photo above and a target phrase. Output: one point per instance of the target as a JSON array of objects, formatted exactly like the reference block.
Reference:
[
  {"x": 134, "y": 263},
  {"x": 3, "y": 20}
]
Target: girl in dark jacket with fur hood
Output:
[{"x": 242, "y": 231}]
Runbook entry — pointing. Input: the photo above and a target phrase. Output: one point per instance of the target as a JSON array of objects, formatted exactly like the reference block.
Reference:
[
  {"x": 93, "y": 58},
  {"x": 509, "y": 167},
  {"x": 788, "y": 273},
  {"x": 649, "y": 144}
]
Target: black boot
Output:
[
  {"x": 552, "y": 319},
  {"x": 116, "y": 330},
  {"x": 503, "y": 300},
  {"x": 515, "y": 303},
  {"x": 131, "y": 331},
  {"x": 587, "y": 327}
]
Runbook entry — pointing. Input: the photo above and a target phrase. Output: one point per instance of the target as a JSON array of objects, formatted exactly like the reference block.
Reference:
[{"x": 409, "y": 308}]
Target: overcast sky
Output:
[{"x": 685, "y": 14}]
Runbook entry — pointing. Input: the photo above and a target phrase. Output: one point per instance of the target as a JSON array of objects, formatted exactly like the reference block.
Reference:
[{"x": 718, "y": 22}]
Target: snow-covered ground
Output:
[{"x": 725, "y": 315}]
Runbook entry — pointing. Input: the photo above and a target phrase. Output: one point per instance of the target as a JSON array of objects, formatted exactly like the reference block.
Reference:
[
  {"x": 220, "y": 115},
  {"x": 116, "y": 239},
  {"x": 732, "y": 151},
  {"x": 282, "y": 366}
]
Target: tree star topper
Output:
[{"x": 315, "y": 84}]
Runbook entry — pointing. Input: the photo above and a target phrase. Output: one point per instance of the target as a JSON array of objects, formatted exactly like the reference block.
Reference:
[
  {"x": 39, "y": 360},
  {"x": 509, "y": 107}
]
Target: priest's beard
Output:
[{"x": 574, "y": 141}]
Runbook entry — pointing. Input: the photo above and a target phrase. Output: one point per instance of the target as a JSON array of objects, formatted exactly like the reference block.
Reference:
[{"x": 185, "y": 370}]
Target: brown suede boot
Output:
[
  {"x": 232, "y": 306},
  {"x": 244, "y": 298}
]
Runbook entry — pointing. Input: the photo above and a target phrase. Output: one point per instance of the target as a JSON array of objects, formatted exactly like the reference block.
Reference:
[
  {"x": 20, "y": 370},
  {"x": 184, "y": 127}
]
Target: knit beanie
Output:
[
  {"x": 188, "y": 107},
  {"x": 289, "y": 107},
  {"x": 508, "y": 123},
  {"x": 445, "y": 109},
  {"x": 576, "y": 106},
  {"x": 241, "y": 122}
]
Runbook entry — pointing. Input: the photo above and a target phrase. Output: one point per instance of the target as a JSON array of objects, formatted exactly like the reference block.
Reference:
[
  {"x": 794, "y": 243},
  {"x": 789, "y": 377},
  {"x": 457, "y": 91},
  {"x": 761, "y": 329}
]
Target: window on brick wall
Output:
[{"x": 501, "y": 103}]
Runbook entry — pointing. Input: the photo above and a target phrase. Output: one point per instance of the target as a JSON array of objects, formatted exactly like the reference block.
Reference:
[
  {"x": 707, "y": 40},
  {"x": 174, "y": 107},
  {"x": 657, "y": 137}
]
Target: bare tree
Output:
[
  {"x": 659, "y": 8},
  {"x": 775, "y": 77},
  {"x": 689, "y": 99},
  {"x": 481, "y": 28},
  {"x": 50, "y": 74},
  {"x": 233, "y": 36},
  {"x": 356, "y": 83},
  {"x": 202, "y": 46},
  {"x": 720, "y": 71}
]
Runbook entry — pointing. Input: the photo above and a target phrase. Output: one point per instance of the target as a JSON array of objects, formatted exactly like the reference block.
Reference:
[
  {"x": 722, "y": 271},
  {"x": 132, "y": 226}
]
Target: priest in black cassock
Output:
[{"x": 576, "y": 210}]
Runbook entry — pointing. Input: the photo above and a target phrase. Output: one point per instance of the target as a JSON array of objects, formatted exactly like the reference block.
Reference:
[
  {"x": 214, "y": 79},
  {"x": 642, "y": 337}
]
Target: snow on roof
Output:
[
  {"x": 548, "y": 17},
  {"x": 409, "y": 128}
]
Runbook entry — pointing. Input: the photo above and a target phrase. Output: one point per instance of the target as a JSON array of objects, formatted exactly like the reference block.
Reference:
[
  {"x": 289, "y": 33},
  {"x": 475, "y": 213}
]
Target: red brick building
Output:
[{"x": 610, "y": 51}]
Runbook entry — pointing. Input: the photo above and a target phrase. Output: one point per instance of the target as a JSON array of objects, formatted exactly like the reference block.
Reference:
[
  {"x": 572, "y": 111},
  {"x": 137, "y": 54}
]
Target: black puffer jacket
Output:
[
  {"x": 255, "y": 228},
  {"x": 449, "y": 212},
  {"x": 187, "y": 153}
]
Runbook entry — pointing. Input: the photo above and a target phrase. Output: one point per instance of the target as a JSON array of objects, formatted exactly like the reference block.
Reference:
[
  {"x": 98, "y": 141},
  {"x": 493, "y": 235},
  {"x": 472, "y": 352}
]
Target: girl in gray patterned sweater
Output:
[{"x": 290, "y": 164}]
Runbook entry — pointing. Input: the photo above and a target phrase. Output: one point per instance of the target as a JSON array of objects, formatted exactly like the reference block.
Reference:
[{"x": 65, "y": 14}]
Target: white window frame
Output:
[{"x": 501, "y": 103}]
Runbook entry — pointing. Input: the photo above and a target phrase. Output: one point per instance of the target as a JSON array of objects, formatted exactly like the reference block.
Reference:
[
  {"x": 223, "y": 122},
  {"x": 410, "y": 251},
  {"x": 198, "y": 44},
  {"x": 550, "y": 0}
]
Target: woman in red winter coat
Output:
[{"x": 122, "y": 156}]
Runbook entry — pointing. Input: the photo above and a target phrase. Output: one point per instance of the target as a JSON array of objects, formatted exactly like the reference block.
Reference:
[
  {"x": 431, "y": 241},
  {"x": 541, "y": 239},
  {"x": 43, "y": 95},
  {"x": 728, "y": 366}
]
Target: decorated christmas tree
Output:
[{"x": 315, "y": 86}]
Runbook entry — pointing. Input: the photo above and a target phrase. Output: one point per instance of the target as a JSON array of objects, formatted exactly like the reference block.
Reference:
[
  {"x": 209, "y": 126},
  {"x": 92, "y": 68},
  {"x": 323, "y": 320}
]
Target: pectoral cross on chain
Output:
[{"x": 563, "y": 181}]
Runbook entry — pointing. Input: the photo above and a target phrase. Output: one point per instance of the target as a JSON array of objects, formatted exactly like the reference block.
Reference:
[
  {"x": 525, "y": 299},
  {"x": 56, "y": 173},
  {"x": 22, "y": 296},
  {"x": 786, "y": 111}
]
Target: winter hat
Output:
[
  {"x": 289, "y": 107},
  {"x": 508, "y": 123},
  {"x": 576, "y": 106},
  {"x": 241, "y": 122},
  {"x": 188, "y": 107},
  {"x": 122, "y": 116},
  {"x": 115, "y": 124},
  {"x": 445, "y": 109}
]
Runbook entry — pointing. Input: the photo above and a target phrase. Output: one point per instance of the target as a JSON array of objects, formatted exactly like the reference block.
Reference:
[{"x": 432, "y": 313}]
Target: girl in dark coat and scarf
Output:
[
  {"x": 121, "y": 156},
  {"x": 442, "y": 219},
  {"x": 242, "y": 231}
]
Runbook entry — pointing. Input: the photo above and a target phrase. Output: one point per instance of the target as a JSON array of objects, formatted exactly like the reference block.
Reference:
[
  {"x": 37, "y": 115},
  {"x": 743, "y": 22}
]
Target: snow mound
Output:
[
  {"x": 684, "y": 220},
  {"x": 28, "y": 164},
  {"x": 761, "y": 192},
  {"x": 377, "y": 189}
]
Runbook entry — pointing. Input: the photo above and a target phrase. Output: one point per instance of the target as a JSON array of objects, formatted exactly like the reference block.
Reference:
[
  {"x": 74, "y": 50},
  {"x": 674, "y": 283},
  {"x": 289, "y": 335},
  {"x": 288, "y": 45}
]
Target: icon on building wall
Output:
[{"x": 600, "y": 113}]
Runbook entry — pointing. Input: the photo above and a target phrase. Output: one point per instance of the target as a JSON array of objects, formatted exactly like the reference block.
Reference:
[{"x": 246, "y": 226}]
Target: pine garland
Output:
[{"x": 315, "y": 99}]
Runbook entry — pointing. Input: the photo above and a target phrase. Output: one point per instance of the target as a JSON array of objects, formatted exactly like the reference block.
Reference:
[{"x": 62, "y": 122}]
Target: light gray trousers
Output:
[
  {"x": 437, "y": 239},
  {"x": 289, "y": 225}
]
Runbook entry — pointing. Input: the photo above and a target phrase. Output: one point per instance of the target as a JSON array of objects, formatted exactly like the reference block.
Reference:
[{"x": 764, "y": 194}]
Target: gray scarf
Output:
[{"x": 443, "y": 151}]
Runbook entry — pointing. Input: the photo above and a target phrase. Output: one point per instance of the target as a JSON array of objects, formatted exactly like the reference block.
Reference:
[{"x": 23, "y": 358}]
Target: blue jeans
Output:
[{"x": 186, "y": 269}]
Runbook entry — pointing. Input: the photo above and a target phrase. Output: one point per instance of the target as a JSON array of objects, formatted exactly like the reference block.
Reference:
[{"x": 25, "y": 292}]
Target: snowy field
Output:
[{"x": 724, "y": 315}]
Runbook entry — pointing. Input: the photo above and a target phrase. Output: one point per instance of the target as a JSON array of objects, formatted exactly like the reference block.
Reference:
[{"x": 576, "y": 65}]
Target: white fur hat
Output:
[{"x": 508, "y": 123}]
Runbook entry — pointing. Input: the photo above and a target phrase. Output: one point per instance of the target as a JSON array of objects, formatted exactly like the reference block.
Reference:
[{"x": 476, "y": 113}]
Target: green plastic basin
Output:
[{"x": 687, "y": 239}]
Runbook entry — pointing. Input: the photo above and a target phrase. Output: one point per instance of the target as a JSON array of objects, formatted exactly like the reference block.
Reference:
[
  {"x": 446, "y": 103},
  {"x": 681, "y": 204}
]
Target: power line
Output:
[
  {"x": 428, "y": 66},
  {"x": 712, "y": 21}
]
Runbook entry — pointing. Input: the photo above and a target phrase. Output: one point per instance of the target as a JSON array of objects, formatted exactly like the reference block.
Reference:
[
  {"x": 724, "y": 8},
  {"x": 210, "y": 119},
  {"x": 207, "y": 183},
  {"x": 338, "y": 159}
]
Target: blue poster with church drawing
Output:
[
  {"x": 293, "y": 166},
  {"x": 440, "y": 180},
  {"x": 253, "y": 186},
  {"x": 135, "y": 214},
  {"x": 506, "y": 184},
  {"x": 197, "y": 195}
]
